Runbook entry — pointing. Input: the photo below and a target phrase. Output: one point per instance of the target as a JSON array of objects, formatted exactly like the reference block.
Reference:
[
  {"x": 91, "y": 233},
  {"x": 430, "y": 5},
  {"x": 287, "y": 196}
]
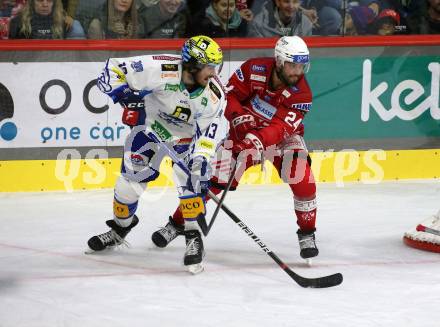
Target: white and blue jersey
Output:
[
  {"x": 172, "y": 112},
  {"x": 193, "y": 121}
]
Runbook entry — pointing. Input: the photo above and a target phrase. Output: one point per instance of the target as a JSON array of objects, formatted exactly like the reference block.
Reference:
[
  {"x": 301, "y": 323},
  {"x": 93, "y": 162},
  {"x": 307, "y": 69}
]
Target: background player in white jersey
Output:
[{"x": 184, "y": 110}]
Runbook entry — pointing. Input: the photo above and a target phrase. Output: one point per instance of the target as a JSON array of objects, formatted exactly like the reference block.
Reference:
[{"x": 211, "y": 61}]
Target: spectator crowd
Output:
[{"x": 159, "y": 19}]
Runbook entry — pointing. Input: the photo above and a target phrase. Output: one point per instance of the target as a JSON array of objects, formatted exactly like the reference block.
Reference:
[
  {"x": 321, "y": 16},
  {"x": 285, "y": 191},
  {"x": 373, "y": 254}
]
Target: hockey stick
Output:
[
  {"x": 202, "y": 222},
  {"x": 319, "y": 282},
  {"x": 421, "y": 228}
]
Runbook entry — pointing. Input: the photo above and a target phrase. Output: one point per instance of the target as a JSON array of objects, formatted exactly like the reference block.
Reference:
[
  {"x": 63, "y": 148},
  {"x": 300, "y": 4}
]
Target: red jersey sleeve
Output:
[{"x": 238, "y": 92}]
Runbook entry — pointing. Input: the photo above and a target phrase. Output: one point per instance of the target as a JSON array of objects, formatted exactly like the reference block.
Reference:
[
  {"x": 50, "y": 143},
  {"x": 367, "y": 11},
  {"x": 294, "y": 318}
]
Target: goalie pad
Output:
[{"x": 424, "y": 240}]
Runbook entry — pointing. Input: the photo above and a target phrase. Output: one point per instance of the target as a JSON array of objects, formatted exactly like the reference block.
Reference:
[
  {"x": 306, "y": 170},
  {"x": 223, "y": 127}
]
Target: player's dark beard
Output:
[
  {"x": 281, "y": 76},
  {"x": 192, "y": 70},
  {"x": 194, "y": 84}
]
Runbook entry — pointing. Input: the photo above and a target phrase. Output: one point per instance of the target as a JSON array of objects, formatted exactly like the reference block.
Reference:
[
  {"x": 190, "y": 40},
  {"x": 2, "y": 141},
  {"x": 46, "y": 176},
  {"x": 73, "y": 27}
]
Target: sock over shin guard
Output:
[{"x": 305, "y": 211}]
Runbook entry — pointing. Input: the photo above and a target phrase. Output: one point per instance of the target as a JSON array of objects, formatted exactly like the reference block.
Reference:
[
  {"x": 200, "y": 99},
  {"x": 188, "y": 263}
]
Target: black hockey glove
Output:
[{"x": 134, "y": 109}]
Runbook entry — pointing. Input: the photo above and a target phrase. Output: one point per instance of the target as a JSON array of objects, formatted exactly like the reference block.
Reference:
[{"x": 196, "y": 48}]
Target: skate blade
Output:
[
  {"x": 89, "y": 251},
  {"x": 195, "y": 269},
  {"x": 309, "y": 262},
  {"x": 107, "y": 249}
]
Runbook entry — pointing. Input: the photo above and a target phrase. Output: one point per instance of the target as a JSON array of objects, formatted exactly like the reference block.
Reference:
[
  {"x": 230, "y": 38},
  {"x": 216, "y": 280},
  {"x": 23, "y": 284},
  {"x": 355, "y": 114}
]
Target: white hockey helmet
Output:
[{"x": 292, "y": 49}]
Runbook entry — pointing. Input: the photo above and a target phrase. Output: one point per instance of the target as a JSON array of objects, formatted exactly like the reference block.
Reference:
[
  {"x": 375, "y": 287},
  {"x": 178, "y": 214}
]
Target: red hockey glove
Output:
[
  {"x": 241, "y": 125},
  {"x": 249, "y": 143}
]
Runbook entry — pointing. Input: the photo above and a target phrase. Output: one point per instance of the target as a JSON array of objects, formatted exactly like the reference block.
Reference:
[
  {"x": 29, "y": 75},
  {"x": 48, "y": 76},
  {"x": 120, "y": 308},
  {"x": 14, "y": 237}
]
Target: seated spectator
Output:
[
  {"x": 410, "y": 12},
  {"x": 4, "y": 28},
  {"x": 375, "y": 5},
  {"x": 358, "y": 20},
  {"x": 73, "y": 26},
  {"x": 166, "y": 19},
  {"x": 115, "y": 19},
  {"x": 87, "y": 11},
  {"x": 41, "y": 19},
  {"x": 280, "y": 18},
  {"x": 324, "y": 14},
  {"x": 244, "y": 9},
  {"x": 429, "y": 21},
  {"x": 220, "y": 19},
  {"x": 386, "y": 22},
  {"x": 8, "y": 10}
]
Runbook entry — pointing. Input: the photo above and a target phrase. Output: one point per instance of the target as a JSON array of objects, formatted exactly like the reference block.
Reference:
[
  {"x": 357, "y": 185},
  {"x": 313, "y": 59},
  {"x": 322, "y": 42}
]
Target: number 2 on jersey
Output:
[{"x": 290, "y": 120}]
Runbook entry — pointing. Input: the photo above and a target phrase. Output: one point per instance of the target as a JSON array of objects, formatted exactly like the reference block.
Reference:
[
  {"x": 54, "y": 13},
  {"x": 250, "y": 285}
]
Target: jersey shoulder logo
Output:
[
  {"x": 302, "y": 106},
  {"x": 170, "y": 67},
  {"x": 137, "y": 66},
  {"x": 215, "y": 90},
  {"x": 259, "y": 68},
  {"x": 239, "y": 75}
]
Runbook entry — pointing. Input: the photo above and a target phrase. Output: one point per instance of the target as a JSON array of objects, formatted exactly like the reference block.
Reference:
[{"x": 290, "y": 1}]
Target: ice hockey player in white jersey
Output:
[{"x": 184, "y": 106}]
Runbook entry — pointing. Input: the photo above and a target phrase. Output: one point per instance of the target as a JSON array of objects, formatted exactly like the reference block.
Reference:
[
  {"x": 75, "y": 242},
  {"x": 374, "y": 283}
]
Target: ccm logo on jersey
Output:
[
  {"x": 258, "y": 78},
  {"x": 136, "y": 105},
  {"x": 263, "y": 108},
  {"x": 302, "y": 106}
]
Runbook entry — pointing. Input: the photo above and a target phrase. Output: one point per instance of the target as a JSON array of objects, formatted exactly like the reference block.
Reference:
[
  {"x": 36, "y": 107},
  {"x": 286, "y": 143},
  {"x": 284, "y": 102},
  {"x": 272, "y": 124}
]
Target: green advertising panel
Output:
[{"x": 374, "y": 98}]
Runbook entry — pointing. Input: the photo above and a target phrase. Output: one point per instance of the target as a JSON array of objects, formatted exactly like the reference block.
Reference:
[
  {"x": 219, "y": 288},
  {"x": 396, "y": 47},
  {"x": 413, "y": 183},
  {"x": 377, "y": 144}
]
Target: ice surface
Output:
[{"x": 46, "y": 280}]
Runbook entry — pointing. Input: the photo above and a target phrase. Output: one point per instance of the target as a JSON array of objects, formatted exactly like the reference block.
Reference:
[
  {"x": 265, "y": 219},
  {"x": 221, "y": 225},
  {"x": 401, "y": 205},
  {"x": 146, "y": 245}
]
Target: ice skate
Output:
[
  {"x": 307, "y": 245},
  {"x": 194, "y": 251},
  {"x": 164, "y": 236},
  {"x": 112, "y": 238}
]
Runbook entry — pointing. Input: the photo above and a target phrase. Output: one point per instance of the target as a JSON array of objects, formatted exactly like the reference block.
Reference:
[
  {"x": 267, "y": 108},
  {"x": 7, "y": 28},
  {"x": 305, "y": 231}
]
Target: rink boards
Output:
[
  {"x": 375, "y": 113},
  {"x": 337, "y": 167}
]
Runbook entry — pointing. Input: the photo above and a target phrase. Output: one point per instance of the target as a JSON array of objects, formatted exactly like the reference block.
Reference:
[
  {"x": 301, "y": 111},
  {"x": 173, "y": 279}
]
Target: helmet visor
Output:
[
  {"x": 299, "y": 68},
  {"x": 217, "y": 67}
]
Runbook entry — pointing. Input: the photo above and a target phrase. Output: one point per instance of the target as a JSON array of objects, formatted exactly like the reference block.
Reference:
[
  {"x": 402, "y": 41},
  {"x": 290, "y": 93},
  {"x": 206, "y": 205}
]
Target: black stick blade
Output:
[{"x": 319, "y": 282}]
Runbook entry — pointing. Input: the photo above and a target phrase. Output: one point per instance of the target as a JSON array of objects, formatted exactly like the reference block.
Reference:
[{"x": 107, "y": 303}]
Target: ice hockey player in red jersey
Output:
[{"x": 267, "y": 102}]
